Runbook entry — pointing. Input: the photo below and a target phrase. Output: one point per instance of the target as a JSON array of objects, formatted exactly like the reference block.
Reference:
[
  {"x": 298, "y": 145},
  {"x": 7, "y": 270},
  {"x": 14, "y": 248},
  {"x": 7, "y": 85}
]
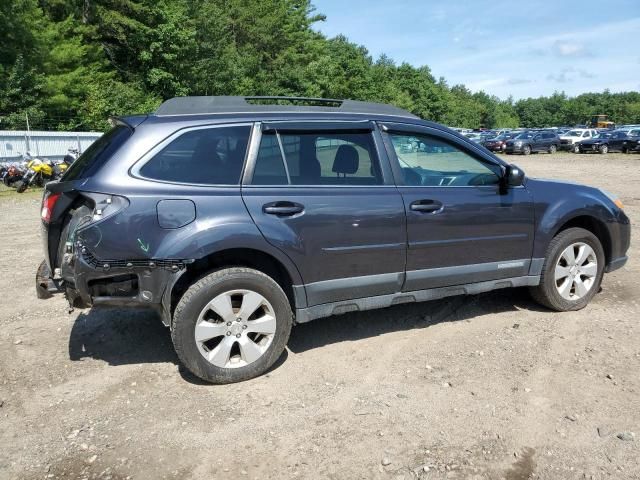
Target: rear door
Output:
[
  {"x": 460, "y": 228},
  {"x": 323, "y": 194},
  {"x": 537, "y": 144},
  {"x": 617, "y": 140}
]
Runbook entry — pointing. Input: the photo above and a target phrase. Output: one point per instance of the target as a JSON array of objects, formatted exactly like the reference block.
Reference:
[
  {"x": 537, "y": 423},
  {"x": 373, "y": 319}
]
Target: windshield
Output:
[
  {"x": 603, "y": 135},
  {"x": 524, "y": 136},
  {"x": 574, "y": 133}
]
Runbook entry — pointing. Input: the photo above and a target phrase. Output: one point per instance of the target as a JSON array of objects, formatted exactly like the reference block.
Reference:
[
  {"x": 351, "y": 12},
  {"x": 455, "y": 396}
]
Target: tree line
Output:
[{"x": 70, "y": 64}]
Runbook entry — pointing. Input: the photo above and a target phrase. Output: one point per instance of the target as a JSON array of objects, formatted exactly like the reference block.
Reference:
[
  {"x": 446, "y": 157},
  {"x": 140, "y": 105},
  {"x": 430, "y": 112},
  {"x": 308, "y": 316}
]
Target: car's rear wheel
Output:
[
  {"x": 552, "y": 149},
  {"x": 572, "y": 271},
  {"x": 526, "y": 150},
  {"x": 603, "y": 149},
  {"x": 231, "y": 325}
]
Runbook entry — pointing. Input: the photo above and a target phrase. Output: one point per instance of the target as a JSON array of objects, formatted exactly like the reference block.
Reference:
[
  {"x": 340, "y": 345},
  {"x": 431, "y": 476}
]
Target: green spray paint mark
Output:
[{"x": 143, "y": 246}]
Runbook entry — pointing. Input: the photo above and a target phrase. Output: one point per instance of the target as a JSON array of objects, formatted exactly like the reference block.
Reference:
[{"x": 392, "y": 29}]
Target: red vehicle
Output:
[{"x": 499, "y": 143}]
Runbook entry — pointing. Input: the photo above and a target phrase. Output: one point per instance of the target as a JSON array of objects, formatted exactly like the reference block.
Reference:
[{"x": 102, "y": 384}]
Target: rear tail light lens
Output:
[{"x": 48, "y": 202}]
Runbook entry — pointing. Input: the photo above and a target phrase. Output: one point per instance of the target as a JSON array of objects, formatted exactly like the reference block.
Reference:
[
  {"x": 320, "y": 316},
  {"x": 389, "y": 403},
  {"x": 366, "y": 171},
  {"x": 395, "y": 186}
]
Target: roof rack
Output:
[{"x": 199, "y": 105}]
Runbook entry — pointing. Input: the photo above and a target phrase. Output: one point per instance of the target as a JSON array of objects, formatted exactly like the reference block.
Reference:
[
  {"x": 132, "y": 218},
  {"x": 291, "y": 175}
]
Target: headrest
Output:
[{"x": 347, "y": 160}]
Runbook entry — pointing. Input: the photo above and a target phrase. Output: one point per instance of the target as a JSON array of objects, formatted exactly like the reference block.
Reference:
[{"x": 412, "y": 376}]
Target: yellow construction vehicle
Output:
[{"x": 600, "y": 121}]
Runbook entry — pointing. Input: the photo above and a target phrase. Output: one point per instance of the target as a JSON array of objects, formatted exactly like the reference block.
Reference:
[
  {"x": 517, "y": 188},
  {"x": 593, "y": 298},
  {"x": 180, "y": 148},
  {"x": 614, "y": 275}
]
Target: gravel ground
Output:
[{"x": 488, "y": 386}]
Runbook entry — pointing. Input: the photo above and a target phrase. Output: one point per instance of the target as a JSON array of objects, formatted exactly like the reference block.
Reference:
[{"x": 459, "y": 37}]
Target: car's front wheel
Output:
[
  {"x": 576, "y": 148},
  {"x": 552, "y": 148},
  {"x": 526, "y": 150},
  {"x": 572, "y": 271},
  {"x": 231, "y": 325},
  {"x": 603, "y": 149}
]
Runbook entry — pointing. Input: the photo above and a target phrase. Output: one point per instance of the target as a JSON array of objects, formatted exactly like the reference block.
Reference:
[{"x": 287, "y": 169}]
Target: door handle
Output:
[
  {"x": 282, "y": 209},
  {"x": 427, "y": 206}
]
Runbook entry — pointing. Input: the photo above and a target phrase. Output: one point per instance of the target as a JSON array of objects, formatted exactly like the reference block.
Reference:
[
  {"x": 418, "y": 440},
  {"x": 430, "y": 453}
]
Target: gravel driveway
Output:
[{"x": 487, "y": 386}]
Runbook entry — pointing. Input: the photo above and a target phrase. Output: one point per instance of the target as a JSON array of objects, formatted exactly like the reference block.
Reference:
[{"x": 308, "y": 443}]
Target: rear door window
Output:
[
  {"x": 317, "y": 158},
  {"x": 204, "y": 156}
]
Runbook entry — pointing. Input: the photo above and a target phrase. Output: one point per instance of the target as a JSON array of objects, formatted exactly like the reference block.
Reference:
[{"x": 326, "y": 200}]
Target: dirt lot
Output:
[{"x": 490, "y": 386}]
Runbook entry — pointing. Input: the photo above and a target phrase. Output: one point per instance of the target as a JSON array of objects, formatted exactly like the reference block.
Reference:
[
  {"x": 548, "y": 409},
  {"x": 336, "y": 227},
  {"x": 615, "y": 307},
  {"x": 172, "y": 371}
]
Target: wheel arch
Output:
[
  {"x": 249, "y": 257},
  {"x": 593, "y": 225}
]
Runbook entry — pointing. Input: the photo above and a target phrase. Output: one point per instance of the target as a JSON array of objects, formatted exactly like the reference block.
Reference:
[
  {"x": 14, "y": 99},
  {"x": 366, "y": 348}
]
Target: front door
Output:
[
  {"x": 321, "y": 194},
  {"x": 460, "y": 227}
]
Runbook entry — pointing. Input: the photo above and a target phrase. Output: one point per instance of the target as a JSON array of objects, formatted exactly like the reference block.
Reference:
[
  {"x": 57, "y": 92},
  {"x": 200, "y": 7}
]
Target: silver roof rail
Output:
[{"x": 202, "y": 105}]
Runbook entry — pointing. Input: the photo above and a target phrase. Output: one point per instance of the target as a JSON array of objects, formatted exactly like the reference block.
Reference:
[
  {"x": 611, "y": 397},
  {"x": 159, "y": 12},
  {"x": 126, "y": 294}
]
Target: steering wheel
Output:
[{"x": 483, "y": 179}]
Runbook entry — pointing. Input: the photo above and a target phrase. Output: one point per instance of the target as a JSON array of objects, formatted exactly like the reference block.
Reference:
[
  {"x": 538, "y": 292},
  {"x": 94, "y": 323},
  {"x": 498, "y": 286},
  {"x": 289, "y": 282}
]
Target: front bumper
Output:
[
  {"x": 495, "y": 148},
  {"x": 616, "y": 264},
  {"x": 513, "y": 148}
]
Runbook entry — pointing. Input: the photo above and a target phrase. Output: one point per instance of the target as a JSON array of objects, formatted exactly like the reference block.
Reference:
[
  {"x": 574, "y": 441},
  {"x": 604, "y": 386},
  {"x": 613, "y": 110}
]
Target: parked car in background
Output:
[
  {"x": 533, "y": 141},
  {"x": 499, "y": 143},
  {"x": 571, "y": 139},
  {"x": 474, "y": 137},
  {"x": 502, "y": 131},
  {"x": 633, "y": 140},
  {"x": 604, "y": 142},
  {"x": 234, "y": 221}
]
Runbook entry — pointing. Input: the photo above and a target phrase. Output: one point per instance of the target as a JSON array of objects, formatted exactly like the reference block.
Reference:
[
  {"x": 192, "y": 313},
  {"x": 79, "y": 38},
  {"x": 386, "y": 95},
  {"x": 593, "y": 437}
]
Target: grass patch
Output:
[{"x": 6, "y": 192}]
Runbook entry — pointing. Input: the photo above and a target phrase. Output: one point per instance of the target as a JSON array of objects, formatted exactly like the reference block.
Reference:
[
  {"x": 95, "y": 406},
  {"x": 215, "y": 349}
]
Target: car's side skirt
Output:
[{"x": 304, "y": 315}]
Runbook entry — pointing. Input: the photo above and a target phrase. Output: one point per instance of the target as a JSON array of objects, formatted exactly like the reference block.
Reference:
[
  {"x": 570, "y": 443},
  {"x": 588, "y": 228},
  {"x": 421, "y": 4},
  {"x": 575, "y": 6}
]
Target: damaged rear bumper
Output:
[{"x": 91, "y": 282}]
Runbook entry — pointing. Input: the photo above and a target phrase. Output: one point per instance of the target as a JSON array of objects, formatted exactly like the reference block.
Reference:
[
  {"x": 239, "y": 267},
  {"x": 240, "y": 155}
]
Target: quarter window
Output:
[
  {"x": 206, "y": 156},
  {"x": 326, "y": 158},
  {"x": 430, "y": 161}
]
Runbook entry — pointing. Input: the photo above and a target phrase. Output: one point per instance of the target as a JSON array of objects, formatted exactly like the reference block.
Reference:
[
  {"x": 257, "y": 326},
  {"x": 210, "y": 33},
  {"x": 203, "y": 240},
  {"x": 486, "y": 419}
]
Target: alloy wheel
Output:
[
  {"x": 235, "y": 328},
  {"x": 576, "y": 271}
]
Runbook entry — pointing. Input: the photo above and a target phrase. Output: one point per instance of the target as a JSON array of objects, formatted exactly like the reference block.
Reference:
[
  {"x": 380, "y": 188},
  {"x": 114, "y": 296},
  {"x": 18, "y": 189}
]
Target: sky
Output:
[{"x": 523, "y": 49}]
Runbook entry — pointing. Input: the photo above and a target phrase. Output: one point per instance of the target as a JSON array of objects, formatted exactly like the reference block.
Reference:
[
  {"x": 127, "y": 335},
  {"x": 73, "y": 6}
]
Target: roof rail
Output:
[{"x": 199, "y": 105}]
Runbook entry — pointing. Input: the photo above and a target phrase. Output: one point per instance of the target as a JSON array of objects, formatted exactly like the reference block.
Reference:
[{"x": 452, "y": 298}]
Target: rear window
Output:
[
  {"x": 206, "y": 156},
  {"x": 97, "y": 154},
  {"x": 326, "y": 158}
]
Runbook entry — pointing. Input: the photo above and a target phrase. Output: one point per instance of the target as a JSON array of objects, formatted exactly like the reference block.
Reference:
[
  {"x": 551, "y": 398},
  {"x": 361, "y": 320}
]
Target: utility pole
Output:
[{"x": 28, "y": 132}]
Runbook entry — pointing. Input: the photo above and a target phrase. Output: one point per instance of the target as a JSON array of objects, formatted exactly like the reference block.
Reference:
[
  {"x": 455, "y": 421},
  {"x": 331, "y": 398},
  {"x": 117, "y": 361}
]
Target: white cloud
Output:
[{"x": 569, "y": 48}]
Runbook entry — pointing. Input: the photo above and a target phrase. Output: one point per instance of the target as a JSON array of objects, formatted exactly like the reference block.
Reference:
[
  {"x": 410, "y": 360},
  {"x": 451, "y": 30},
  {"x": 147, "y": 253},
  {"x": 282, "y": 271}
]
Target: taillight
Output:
[{"x": 48, "y": 202}]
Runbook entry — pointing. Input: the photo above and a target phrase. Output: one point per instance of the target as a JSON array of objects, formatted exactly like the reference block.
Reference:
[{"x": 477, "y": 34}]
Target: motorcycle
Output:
[
  {"x": 11, "y": 174},
  {"x": 71, "y": 156},
  {"x": 39, "y": 172}
]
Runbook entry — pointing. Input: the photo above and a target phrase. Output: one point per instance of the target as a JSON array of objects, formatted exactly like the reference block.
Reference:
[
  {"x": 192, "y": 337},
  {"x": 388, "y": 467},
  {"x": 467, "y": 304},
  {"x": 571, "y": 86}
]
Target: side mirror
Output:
[{"x": 513, "y": 177}]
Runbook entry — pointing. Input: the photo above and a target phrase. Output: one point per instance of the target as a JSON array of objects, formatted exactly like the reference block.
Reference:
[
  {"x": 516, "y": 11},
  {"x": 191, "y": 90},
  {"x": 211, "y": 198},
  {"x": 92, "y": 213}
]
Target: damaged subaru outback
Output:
[{"x": 237, "y": 217}]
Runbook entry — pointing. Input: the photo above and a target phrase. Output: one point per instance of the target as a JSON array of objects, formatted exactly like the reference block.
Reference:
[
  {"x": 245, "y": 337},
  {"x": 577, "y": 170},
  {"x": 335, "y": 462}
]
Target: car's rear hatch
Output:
[{"x": 60, "y": 197}]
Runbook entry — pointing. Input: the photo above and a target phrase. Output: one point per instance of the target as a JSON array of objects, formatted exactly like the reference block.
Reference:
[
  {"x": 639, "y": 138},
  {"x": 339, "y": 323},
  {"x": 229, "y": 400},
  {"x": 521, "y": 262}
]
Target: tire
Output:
[
  {"x": 526, "y": 150},
  {"x": 576, "y": 148},
  {"x": 193, "y": 313},
  {"x": 625, "y": 150},
  {"x": 553, "y": 149},
  {"x": 547, "y": 293},
  {"x": 22, "y": 187},
  {"x": 603, "y": 149},
  {"x": 76, "y": 218}
]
